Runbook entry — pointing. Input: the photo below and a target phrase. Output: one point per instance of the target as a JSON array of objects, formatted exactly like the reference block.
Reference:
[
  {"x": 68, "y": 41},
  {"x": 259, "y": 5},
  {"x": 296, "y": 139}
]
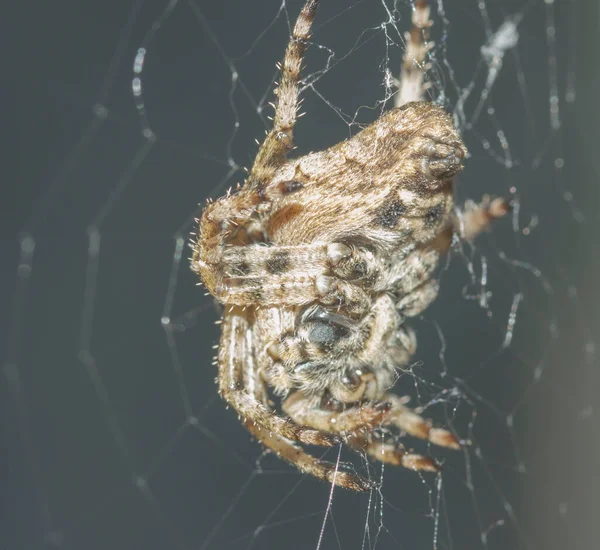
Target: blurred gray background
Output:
[{"x": 96, "y": 391}]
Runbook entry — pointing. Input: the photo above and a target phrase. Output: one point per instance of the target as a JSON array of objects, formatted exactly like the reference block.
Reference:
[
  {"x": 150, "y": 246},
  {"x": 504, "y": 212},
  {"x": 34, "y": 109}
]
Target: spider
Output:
[{"x": 320, "y": 260}]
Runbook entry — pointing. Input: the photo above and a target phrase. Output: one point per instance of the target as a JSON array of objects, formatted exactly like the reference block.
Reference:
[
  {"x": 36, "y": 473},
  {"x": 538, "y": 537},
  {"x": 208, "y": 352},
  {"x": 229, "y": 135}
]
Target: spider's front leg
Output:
[
  {"x": 242, "y": 388},
  {"x": 237, "y": 376},
  {"x": 390, "y": 452},
  {"x": 410, "y": 423},
  {"x": 361, "y": 417},
  {"x": 411, "y": 85},
  {"x": 358, "y": 423},
  {"x": 306, "y": 463}
]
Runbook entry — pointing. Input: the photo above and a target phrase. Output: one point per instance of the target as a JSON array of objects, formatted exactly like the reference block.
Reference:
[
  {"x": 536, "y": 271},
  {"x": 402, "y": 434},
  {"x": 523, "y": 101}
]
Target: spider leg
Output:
[
  {"x": 419, "y": 299},
  {"x": 473, "y": 219},
  {"x": 236, "y": 356},
  {"x": 389, "y": 411},
  {"x": 335, "y": 274},
  {"x": 408, "y": 421},
  {"x": 470, "y": 221},
  {"x": 329, "y": 416},
  {"x": 279, "y": 140},
  {"x": 306, "y": 463},
  {"x": 275, "y": 433},
  {"x": 221, "y": 220},
  {"x": 288, "y": 291},
  {"x": 353, "y": 422},
  {"x": 410, "y": 84},
  {"x": 357, "y": 423},
  {"x": 392, "y": 453},
  {"x": 292, "y": 275},
  {"x": 269, "y": 275}
]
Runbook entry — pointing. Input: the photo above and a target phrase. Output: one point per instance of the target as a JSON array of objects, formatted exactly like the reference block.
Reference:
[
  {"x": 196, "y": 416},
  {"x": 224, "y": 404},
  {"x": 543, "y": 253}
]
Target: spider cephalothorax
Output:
[{"x": 320, "y": 260}]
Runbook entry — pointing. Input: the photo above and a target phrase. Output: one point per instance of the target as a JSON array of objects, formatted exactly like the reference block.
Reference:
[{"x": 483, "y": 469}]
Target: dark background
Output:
[{"x": 114, "y": 436}]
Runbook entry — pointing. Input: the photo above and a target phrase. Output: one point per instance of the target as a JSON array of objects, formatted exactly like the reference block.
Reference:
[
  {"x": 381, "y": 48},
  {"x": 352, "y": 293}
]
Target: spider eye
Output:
[
  {"x": 326, "y": 333},
  {"x": 324, "y": 328}
]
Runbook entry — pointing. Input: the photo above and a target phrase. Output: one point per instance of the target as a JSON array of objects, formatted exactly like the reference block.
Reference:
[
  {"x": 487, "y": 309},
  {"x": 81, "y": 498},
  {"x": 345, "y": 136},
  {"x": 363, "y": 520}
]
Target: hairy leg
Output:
[
  {"x": 236, "y": 361},
  {"x": 233, "y": 218},
  {"x": 279, "y": 140},
  {"x": 261, "y": 275},
  {"x": 411, "y": 86},
  {"x": 415, "y": 425},
  {"x": 332, "y": 416},
  {"x": 357, "y": 424},
  {"x": 475, "y": 218},
  {"x": 306, "y": 463},
  {"x": 329, "y": 416},
  {"x": 393, "y": 453},
  {"x": 295, "y": 275}
]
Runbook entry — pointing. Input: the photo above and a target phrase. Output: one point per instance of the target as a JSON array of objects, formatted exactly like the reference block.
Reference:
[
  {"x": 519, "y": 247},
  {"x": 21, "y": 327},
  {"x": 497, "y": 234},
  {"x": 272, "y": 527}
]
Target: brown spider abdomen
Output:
[{"x": 391, "y": 182}]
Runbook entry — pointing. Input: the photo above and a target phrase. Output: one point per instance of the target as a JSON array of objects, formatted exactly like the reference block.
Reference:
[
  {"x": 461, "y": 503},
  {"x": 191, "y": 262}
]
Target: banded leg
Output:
[
  {"x": 389, "y": 411},
  {"x": 306, "y": 463},
  {"x": 279, "y": 140},
  {"x": 294, "y": 275},
  {"x": 408, "y": 421},
  {"x": 470, "y": 221},
  {"x": 358, "y": 422},
  {"x": 270, "y": 275},
  {"x": 291, "y": 275},
  {"x": 392, "y": 453},
  {"x": 411, "y": 86},
  {"x": 219, "y": 225},
  {"x": 236, "y": 354},
  {"x": 309, "y": 411},
  {"x": 474, "y": 218}
]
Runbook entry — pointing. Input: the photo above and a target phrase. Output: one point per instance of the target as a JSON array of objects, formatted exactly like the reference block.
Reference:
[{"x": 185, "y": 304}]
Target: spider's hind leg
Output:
[
  {"x": 411, "y": 85},
  {"x": 280, "y": 140},
  {"x": 222, "y": 219}
]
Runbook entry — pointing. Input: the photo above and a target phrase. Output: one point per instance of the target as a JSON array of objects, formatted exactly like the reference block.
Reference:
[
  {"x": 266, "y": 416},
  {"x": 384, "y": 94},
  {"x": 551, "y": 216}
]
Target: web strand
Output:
[{"x": 116, "y": 430}]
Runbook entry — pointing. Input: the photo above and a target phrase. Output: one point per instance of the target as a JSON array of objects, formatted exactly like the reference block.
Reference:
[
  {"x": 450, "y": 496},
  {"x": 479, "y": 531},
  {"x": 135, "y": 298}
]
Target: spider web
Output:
[{"x": 126, "y": 115}]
